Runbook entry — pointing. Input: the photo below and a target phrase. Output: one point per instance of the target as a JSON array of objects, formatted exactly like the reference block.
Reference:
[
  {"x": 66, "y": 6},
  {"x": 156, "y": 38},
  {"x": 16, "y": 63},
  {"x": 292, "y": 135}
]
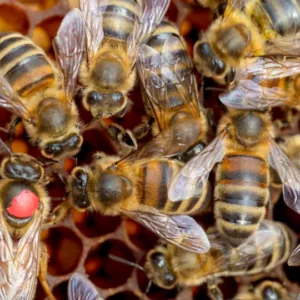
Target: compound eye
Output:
[
  {"x": 94, "y": 98},
  {"x": 53, "y": 149},
  {"x": 73, "y": 142},
  {"x": 117, "y": 98}
]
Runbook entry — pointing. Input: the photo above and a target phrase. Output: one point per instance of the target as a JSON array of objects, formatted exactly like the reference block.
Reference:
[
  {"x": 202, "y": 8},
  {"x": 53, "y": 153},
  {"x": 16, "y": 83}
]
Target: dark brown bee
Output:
[
  {"x": 245, "y": 150},
  {"x": 24, "y": 208},
  {"x": 33, "y": 88}
]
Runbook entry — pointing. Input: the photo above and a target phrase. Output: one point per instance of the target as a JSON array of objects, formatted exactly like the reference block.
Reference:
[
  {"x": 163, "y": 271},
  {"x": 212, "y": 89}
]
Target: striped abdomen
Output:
[
  {"x": 179, "y": 64},
  {"x": 23, "y": 64},
  {"x": 119, "y": 18},
  {"x": 265, "y": 255},
  {"x": 155, "y": 178},
  {"x": 280, "y": 16},
  {"x": 241, "y": 194}
]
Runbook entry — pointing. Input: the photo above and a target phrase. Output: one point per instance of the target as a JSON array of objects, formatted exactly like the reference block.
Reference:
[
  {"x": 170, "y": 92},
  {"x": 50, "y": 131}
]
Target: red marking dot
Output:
[{"x": 24, "y": 204}]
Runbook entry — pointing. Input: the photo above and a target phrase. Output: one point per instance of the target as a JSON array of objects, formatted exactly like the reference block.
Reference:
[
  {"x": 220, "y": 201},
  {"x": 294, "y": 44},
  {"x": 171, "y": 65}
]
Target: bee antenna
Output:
[
  {"x": 126, "y": 262},
  {"x": 147, "y": 289}
]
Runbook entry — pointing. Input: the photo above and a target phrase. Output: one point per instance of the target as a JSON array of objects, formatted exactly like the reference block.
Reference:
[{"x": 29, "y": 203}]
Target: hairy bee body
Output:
[
  {"x": 33, "y": 88},
  {"x": 145, "y": 182},
  {"x": 24, "y": 65},
  {"x": 119, "y": 19},
  {"x": 242, "y": 32},
  {"x": 170, "y": 266}
]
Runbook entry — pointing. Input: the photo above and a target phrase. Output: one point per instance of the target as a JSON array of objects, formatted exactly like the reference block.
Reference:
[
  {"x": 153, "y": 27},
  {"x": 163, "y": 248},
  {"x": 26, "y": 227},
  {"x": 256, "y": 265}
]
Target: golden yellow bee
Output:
[
  {"x": 114, "y": 30},
  {"x": 168, "y": 83},
  {"x": 137, "y": 187},
  {"x": 254, "y": 45},
  {"x": 33, "y": 88},
  {"x": 170, "y": 266},
  {"x": 244, "y": 151}
]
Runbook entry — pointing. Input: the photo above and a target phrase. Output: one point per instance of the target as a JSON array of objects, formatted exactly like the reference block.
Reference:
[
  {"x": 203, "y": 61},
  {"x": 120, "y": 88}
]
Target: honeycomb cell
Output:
[
  {"x": 94, "y": 224},
  {"x": 60, "y": 291},
  {"x": 39, "y": 4},
  {"x": 13, "y": 18},
  {"x": 105, "y": 272},
  {"x": 41, "y": 38},
  {"x": 64, "y": 248},
  {"x": 124, "y": 296},
  {"x": 140, "y": 236},
  {"x": 19, "y": 146}
]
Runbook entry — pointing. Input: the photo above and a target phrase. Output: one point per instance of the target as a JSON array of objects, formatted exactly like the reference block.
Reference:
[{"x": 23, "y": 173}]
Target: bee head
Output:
[
  {"x": 158, "y": 269},
  {"x": 105, "y": 104}
]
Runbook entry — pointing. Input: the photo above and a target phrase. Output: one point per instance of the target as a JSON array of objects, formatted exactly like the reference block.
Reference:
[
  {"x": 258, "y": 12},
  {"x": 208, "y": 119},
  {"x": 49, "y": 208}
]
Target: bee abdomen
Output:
[
  {"x": 119, "y": 18},
  {"x": 241, "y": 194},
  {"x": 24, "y": 65}
]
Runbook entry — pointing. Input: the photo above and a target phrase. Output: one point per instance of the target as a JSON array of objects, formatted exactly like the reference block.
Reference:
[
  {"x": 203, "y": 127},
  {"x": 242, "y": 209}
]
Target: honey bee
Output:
[
  {"x": 248, "y": 31},
  {"x": 170, "y": 88},
  {"x": 114, "y": 31},
  {"x": 42, "y": 95},
  {"x": 169, "y": 266},
  {"x": 80, "y": 287},
  {"x": 137, "y": 187},
  {"x": 266, "y": 290},
  {"x": 24, "y": 208},
  {"x": 245, "y": 150}
]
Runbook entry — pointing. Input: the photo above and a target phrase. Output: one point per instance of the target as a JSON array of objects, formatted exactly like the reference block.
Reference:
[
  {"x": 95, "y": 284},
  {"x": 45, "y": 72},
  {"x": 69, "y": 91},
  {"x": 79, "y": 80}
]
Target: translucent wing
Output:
[
  {"x": 294, "y": 259},
  {"x": 258, "y": 247},
  {"x": 289, "y": 175},
  {"x": 80, "y": 288},
  {"x": 248, "y": 94},
  {"x": 19, "y": 261},
  {"x": 165, "y": 73},
  {"x": 284, "y": 45},
  {"x": 4, "y": 149},
  {"x": 170, "y": 142},
  {"x": 269, "y": 68},
  {"x": 191, "y": 179},
  {"x": 69, "y": 46},
  {"x": 238, "y": 4},
  {"x": 153, "y": 13},
  {"x": 93, "y": 16},
  {"x": 11, "y": 101},
  {"x": 182, "y": 231}
]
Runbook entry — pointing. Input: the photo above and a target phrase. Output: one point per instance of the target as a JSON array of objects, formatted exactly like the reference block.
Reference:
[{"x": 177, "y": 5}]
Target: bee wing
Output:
[
  {"x": 170, "y": 142},
  {"x": 93, "y": 16},
  {"x": 238, "y": 4},
  {"x": 248, "y": 94},
  {"x": 289, "y": 175},
  {"x": 80, "y": 288},
  {"x": 294, "y": 259},
  {"x": 149, "y": 64},
  {"x": 189, "y": 181},
  {"x": 182, "y": 231},
  {"x": 68, "y": 46},
  {"x": 19, "y": 265},
  {"x": 284, "y": 45},
  {"x": 258, "y": 247},
  {"x": 268, "y": 68},
  {"x": 11, "y": 101},
  {"x": 153, "y": 13}
]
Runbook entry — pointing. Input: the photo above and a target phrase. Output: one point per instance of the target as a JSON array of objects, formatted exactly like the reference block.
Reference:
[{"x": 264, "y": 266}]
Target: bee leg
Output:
[
  {"x": 124, "y": 136},
  {"x": 213, "y": 290},
  {"x": 59, "y": 213},
  {"x": 142, "y": 129},
  {"x": 43, "y": 273},
  {"x": 270, "y": 209}
]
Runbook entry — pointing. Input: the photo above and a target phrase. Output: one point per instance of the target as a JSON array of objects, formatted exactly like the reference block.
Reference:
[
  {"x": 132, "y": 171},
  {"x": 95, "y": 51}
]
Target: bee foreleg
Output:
[
  {"x": 43, "y": 273},
  {"x": 59, "y": 213},
  {"x": 213, "y": 290}
]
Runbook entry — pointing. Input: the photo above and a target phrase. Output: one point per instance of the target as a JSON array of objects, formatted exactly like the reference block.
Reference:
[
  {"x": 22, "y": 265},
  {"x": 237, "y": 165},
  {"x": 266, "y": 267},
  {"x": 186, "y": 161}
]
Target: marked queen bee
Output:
[
  {"x": 114, "y": 31},
  {"x": 24, "y": 208},
  {"x": 244, "y": 151},
  {"x": 169, "y": 85},
  {"x": 33, "y": 88},
  {"x": 255, "y": 46},
  {"x": 137, "y": 187}
]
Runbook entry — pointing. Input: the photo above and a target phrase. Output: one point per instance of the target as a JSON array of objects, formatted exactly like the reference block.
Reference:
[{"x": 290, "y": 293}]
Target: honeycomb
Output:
[{"x": 83, "y": 241}]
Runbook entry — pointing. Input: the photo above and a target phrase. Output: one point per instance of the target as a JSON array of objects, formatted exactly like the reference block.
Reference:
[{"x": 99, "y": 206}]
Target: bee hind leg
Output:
[{"x": 43, "y": 273}]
